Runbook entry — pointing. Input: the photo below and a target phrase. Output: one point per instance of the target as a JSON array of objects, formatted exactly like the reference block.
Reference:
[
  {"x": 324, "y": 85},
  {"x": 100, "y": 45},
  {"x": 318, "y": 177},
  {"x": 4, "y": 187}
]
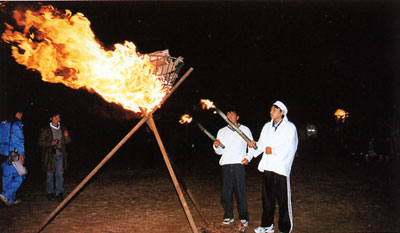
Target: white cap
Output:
[{"x": 281, "y": 106}]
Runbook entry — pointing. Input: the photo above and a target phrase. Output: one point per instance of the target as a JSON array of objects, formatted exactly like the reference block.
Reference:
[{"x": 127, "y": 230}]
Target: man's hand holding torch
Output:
[
  {"x": 251, "y": 144},
  {"x": 218, "y": 143},
  {"x": 268, "y": 150}
]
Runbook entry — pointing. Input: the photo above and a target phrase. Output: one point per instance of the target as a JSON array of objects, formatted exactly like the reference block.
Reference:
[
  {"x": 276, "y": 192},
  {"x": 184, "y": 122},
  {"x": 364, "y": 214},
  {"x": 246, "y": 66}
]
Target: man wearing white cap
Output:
[{"x": 278, "y": 143}]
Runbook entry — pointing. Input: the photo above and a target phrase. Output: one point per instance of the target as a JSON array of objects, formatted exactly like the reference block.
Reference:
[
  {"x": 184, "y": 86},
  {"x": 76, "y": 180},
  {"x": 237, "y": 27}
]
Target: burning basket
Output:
[{"x": 167, "y": 67}]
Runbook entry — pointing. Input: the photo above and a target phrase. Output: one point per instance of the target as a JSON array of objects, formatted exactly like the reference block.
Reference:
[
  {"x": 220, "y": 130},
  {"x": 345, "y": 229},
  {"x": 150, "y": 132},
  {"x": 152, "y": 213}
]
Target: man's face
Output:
[
  {"x": 19, "y": 115},
  {"x": 55, "y": 119},
  {"x": 276, "y": 113},
  {"x": 233, "y": 117}
]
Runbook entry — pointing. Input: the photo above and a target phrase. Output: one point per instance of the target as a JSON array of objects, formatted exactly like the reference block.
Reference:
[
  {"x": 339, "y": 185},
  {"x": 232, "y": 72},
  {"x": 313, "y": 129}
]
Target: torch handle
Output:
[
  {"x": 240, "y": 132},
  {"x": 208, "y": 134}
]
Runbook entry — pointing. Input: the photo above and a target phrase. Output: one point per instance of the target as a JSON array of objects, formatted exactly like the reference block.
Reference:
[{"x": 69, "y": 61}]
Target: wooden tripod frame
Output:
[{"x": 149, "y": 119}]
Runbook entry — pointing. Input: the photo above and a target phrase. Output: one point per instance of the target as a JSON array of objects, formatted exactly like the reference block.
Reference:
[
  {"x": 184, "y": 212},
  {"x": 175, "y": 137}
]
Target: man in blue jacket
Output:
[{"x": 11, "y": 180}]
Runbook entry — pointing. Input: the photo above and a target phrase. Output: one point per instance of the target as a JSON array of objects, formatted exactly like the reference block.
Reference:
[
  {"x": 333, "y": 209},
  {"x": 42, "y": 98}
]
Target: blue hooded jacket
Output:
[{"x": 15, "y": 142}]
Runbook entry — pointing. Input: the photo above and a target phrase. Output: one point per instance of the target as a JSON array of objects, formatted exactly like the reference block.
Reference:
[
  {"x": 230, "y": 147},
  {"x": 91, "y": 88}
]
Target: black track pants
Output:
[{"x": 276, "y": 188}]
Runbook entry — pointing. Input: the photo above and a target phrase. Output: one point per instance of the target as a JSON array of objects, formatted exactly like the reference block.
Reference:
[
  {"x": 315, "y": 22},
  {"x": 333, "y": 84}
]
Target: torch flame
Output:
[
  {"x": 63, "y": 48},
  {"x": 186, "y": 118},
  {"x": 207, "y": 104},
  {"x": 341, "y": 115}
]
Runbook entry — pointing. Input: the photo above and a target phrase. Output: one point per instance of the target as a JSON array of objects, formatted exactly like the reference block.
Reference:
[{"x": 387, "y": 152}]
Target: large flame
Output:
[
  {"x": 207, "y": 104},
  {"x": 63, "y": 48},
  {"x": 341, "y": 115},
  {"x": 185, "y": 118}
]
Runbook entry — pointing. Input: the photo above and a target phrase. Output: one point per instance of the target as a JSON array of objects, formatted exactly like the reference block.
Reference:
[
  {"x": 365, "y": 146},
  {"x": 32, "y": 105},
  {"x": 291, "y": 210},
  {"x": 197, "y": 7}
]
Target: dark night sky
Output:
[{"x": 315, "y": 56}]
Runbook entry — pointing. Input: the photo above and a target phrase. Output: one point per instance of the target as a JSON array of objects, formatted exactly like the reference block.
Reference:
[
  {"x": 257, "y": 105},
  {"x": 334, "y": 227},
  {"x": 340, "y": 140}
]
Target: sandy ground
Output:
[{"x": 328, "y": 195}]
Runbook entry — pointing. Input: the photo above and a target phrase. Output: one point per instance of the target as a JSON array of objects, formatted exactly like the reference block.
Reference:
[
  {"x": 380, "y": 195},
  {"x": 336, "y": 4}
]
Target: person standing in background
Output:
[
  {"x": 15, "y": 142},
  {"x": 53, "y": 140}
]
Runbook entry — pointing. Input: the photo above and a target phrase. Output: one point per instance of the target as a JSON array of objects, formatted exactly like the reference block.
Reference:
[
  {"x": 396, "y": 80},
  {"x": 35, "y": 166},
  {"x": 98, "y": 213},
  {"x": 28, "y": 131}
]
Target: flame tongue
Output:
[
  {"x": 341, "y": 115},
  {"x": 207, "y": 104},
  {"x": 63, "y": 48},
  {"x": 186, "y": 118}
]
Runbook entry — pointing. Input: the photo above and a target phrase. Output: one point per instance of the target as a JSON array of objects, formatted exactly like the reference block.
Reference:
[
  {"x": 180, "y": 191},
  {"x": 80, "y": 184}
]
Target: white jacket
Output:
[
  {"x": 235, "y": 145},
  {"x": 283, "y": 143}
]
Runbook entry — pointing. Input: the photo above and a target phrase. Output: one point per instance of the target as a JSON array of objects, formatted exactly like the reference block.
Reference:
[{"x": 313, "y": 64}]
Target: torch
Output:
[
  {"x": 207, "y": 104},
  {"x": 341, "y": 115},
  {"x": 186, "y": 118}
]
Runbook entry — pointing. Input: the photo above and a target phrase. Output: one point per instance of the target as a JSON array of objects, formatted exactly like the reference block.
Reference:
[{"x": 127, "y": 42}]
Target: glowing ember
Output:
[
  {"x": 63, "y": 48},
  {"x": 186, "y": 118},
  {"x": 341, "y": 115},
  {"x": 207, "y": 104}
]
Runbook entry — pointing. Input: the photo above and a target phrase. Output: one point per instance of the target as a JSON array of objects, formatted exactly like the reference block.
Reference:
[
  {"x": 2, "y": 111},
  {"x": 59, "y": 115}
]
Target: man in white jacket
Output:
[
  {"x": 233, "y": 172},
  {"x": 278, "y": 143}
]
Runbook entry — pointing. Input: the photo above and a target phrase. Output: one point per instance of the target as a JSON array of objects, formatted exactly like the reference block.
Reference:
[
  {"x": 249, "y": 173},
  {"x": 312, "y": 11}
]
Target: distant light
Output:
[
  {"x": 311, "y": 130},
  {"x": 341, "y": 115}
]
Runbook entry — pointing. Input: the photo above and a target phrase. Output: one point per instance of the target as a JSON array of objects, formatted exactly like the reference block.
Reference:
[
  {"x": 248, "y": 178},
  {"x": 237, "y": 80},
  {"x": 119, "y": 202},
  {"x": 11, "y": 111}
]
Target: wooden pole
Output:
[
  {"x": 189, "y": 217},
  {"x": 112, "y": 152},
  {"x": 174, "y": 88},
  {"x": 189, "y": 193}
]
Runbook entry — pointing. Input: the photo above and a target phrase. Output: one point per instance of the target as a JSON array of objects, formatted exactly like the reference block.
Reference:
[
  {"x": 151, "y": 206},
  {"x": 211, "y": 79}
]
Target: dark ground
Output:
[{"x": 330, "y": 193}]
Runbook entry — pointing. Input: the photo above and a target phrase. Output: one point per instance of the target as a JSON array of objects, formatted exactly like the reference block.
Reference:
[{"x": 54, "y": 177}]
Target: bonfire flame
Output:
[
  {"x": 186, "y": 118},
  {"x": 63, "y": 48},
  {"x": 207, "y": 104},
  {"x": 341, "y": 115}
]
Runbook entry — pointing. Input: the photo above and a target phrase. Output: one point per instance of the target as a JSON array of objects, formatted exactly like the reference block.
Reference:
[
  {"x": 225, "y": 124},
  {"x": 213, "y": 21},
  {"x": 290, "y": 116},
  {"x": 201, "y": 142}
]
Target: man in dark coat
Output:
[{"x": 53, "y": 140}]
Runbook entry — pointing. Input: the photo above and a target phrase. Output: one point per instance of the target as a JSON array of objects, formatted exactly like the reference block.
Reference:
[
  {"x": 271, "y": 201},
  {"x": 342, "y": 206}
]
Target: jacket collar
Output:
[{"x": 55, "y": 127}]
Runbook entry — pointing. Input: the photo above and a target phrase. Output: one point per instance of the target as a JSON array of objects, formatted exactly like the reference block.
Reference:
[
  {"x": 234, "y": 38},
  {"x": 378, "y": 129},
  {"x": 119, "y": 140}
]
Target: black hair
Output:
[
  {"x": 231, "y": 107},
  {"x": 277, "y": 107},
  {"x": 232, "y": 110},
  {"x": 53, "y": 114},
  {"x": 13, "y": 111}
]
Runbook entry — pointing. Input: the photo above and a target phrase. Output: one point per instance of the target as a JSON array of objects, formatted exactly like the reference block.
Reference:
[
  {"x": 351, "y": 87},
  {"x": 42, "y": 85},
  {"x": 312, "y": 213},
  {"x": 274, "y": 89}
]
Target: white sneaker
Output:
[
  {"x": 269, "y": 229},
  {"x": 228, "y": 221},
  {"x": 4, "y": 199},
  {"x": 245, "y": 223}
]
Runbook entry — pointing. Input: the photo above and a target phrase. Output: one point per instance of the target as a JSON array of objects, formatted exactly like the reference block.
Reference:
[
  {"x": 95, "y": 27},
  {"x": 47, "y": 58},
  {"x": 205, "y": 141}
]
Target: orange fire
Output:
[
  {"x": 186, "y": 118},
  {"x": 207, "y": 104},
  {"x": 63, "y": 48},
  {"x": 341, "y": 115}
]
